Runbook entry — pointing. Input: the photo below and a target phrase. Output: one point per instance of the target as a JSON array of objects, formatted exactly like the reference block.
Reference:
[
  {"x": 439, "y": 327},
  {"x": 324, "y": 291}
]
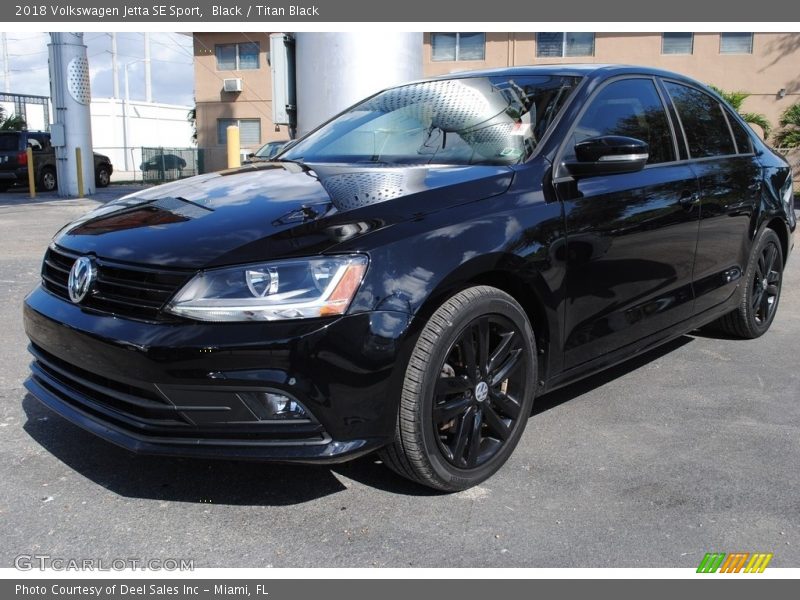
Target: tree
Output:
[
  {"x": 12, "y": 123},
  {"x": 191, "y": 116},
  {"x": 788, "y": 136},
  {"x": 736, "y": 99}
]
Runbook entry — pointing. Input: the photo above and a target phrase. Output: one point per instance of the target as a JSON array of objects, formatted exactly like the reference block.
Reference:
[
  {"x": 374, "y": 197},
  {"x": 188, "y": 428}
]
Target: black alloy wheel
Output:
[
  {"x": 760, "y": 290},
  {"x": 468, "y": 391},
  {"x": 476, "y": 401},
  {"x": 766, "y": 284}
]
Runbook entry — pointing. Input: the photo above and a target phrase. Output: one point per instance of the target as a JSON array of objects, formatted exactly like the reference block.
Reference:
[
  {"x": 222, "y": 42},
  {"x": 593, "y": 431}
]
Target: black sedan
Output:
[{"x": 410, "y": 275}]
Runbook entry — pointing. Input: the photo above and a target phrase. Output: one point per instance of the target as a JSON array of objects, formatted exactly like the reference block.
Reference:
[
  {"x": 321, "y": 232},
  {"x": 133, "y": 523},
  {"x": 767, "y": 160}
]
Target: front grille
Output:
[{"x": 126, "y": 290}]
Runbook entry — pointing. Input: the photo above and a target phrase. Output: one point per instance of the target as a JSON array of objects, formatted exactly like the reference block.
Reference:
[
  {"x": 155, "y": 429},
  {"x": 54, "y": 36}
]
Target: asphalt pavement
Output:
[{"x": 692, "y": 448}]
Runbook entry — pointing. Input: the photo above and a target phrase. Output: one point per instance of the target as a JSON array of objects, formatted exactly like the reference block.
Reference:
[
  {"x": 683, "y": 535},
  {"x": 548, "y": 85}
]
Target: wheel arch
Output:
[{"x": 530, "y": 291}]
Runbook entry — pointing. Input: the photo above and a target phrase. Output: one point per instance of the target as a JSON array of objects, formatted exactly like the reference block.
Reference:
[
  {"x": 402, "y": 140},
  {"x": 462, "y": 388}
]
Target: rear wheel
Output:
[
  {"x": 760, "y": 290},
  {"x": 48, "y": 179},
  {"x": 102, "y": 176},
  {"x": 467, "y": 393}
]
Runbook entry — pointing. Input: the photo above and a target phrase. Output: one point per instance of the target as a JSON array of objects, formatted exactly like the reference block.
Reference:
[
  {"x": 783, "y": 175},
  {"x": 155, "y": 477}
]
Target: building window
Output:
[
  {"x": 558, "y": 44},
  {"x": 736, "y": 43},
  {"x": 677, "y": 43},
  {"x": 458, "y": 46},
  {"x": 237, "y": 57},
  {"x": 249, "y": 131}
]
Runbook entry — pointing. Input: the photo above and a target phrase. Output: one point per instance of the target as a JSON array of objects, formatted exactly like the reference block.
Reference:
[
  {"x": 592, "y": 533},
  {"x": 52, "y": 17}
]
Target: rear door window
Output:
[
  {"x": 9, "y": 142},
  {"x": 704, "y": 123},
  {"x": 744, "y": 145}
]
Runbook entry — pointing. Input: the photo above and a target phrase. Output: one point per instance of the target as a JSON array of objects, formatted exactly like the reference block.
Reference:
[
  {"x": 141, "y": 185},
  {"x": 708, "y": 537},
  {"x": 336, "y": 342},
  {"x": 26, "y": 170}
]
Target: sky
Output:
[{"x": 171, "y": 65}]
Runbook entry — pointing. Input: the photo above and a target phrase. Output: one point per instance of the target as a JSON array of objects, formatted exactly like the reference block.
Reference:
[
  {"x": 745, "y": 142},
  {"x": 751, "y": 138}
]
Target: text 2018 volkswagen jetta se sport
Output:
[{"x": 410, "y": 275}]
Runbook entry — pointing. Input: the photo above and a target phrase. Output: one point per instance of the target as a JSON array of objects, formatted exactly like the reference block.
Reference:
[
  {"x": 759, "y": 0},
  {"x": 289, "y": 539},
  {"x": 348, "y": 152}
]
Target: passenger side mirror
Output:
[
  {"x": 251, "y": 155},
  {"x": 608, "y": 155}
]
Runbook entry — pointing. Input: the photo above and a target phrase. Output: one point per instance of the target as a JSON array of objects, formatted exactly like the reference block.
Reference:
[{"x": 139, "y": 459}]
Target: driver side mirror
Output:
[
  {"x": 251, "y": 155},
  {"x": 608, "y": 155}
]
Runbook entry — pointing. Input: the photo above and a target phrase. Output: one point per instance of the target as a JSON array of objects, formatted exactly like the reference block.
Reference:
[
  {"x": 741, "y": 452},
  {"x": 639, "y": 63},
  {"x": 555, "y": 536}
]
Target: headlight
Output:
[{"x": 273, "y": 291}]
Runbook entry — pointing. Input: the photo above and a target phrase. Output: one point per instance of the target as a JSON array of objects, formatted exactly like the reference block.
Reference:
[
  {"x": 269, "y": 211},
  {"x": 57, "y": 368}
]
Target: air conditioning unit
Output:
[{"x": 232, "y": 85}]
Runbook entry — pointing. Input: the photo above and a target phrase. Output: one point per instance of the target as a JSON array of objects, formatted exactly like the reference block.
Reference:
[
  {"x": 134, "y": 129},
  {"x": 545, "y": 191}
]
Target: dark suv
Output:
[
  {"x": 409, "y": 276},
  {"x": 14, "y": 161}
]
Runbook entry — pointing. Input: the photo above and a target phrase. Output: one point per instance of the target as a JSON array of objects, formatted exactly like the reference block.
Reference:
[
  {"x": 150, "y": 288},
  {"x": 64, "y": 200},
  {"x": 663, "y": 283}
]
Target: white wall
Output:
[{"x": 149, "y": 124}]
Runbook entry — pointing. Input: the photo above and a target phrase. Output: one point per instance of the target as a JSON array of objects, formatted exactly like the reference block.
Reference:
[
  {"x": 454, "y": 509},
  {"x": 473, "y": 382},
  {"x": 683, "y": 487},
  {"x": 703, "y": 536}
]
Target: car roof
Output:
[{"x": 593, "y": 70}]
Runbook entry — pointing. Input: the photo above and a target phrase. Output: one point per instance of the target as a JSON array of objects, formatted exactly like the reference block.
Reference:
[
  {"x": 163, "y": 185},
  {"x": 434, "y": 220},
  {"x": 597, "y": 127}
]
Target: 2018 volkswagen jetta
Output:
[{"x": 407, "y": 277}]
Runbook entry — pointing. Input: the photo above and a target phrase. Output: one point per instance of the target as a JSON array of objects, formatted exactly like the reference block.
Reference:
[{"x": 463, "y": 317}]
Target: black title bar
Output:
[{"x": 338, "y": 11}]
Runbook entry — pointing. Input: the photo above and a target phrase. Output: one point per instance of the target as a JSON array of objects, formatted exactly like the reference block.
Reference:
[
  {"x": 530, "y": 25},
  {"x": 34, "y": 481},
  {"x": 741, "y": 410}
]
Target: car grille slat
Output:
[
  {"x": 125, "y": 401},
  {"x": 133, "y": 291}
]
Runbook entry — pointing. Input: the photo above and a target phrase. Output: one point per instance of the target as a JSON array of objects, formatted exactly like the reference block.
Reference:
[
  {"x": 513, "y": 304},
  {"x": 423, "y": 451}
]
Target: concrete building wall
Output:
[
  {"x": 253, "y": 102},
  {"x": 773, "y": 65}
]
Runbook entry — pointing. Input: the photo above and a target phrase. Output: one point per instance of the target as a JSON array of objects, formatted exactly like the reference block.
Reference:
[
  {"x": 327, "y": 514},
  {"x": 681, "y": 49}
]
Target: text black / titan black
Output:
[{"x": 407, "y": 277}]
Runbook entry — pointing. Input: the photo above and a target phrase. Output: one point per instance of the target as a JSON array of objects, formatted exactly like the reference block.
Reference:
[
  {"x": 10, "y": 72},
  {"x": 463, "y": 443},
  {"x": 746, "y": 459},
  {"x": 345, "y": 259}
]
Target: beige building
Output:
[
  {"x": 766, "y": 65},
  {"x": 241, "y": 57}
]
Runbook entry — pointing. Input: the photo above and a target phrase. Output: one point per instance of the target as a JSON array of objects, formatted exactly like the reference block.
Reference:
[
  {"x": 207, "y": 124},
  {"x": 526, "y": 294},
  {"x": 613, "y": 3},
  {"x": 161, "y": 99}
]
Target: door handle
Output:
[{"x": 688, "y": 198}]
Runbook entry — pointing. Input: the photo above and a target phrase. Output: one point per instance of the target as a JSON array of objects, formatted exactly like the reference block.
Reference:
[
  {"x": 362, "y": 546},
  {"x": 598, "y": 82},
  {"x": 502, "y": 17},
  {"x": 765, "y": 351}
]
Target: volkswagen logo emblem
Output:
[{"x": 81, "y": 278}]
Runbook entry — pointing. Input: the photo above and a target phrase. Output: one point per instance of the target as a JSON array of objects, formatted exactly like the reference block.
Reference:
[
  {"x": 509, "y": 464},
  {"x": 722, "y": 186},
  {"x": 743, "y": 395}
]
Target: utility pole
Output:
[
  {"x": 71, "y": 133},
  {"x": 148, "y": 83},
  {"x": 114, "y": 66},
  {"x": 6, "y": 68}
]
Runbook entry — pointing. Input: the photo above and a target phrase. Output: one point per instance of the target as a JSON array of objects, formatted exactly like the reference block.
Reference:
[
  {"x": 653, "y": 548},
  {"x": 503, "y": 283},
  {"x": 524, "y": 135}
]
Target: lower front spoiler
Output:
[{"x": 320, "y": 451}]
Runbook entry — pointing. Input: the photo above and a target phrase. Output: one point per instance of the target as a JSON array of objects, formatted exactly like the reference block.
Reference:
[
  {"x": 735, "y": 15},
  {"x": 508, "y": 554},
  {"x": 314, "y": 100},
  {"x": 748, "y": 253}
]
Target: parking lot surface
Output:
[{"x": 689, "y": 449}]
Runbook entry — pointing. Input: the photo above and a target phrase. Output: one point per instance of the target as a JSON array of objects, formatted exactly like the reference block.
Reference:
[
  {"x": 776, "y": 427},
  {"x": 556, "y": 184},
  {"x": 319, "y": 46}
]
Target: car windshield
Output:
[
  {"x": 269, "y": 149},
  {"x": 463, "y": 121}
]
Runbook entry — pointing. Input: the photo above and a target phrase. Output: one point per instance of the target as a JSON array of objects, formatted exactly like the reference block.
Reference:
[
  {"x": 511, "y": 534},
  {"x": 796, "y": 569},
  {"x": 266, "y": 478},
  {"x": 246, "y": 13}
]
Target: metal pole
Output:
[
  {"x": 31, "y": 173},
  {"x": 234, "y": 147},
  {"x": 334, "y": 70},
  {"x": 72, "y": 125},
  {"x": 6, "y": 68},
  {"x": 78, "y": 165},
  {"x": 114, "y": 65},
  {"x": 125, "y": 111},
  {"x": 148, "y": 83}
]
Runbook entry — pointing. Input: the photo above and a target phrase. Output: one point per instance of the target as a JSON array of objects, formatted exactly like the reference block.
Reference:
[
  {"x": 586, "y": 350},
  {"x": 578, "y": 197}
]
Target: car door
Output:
[
  {"x": 630, "y": 236},
  {"x": 729, "y": 177}
]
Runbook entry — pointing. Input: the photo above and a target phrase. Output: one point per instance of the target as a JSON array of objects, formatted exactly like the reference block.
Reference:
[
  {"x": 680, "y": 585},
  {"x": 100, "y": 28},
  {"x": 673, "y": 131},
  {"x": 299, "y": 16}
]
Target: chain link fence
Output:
[{"x": 168, "y": 164}]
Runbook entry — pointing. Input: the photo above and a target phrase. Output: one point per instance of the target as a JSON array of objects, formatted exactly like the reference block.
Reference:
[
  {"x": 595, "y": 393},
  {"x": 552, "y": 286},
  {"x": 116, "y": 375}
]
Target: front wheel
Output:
[{"x": 468, "y": 392}]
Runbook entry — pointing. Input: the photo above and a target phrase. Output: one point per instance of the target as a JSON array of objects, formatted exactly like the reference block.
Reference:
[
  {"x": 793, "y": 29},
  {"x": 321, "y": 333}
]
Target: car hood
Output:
[{"x": 271, "y": 210}]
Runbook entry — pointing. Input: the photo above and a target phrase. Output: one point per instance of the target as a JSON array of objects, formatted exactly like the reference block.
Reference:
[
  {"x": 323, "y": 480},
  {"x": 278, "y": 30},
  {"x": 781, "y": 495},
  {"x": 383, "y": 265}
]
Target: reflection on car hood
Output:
[{"x": 271, "y": 210}]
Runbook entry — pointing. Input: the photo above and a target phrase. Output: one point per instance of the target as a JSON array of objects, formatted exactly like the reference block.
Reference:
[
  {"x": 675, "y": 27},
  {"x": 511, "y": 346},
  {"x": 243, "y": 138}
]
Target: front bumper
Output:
[{"x": 176, "y": 388}]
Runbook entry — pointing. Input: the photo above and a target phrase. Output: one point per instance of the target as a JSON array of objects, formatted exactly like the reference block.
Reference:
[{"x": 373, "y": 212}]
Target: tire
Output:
[
  {"x": 47, "y": 180},
  {"x": 450, "y": 392},
  {"x": 102, "y": 176},
  {"x": 4, "y": 187},
  {"x": 759, "y": 291}
]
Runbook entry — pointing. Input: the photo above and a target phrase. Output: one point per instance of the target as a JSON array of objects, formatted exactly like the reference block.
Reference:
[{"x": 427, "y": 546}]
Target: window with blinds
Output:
[
  {"x": 249, "y": 131},
  {"x": 677, "y": 43},
  {"x": 559, "y": 44},
  {"x": 458, "y": 46},
  {"x": 736, "y": 43}
]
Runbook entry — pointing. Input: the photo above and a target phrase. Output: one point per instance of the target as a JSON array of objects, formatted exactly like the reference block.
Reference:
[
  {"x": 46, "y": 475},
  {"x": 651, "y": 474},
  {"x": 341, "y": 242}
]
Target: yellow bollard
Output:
[
  {"x": 234, "y": 148},
  {"x": 79, "y": 166},
  {"x": 31, "y": 173}
]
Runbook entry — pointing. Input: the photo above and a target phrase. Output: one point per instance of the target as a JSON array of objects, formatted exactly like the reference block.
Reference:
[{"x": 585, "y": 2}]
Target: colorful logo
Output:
[{"x": 735, "y": 562}]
